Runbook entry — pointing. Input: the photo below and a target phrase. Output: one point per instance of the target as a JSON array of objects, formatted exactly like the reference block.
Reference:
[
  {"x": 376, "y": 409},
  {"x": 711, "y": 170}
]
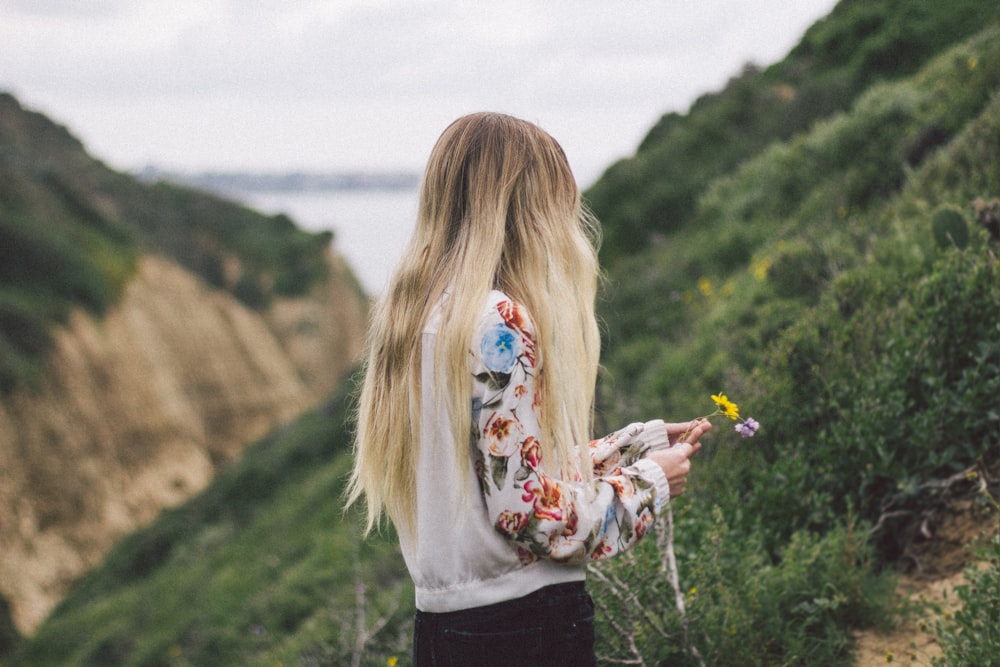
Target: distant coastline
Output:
[{"x": 229, "y": 182}]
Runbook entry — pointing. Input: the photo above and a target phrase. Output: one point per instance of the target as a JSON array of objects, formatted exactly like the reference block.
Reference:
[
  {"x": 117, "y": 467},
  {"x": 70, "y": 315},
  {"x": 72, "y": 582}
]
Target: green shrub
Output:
[
  {"x": 900, "y": 391},
  {"x": 971, "y": 638},
  {"x": 743, "y": 607}
]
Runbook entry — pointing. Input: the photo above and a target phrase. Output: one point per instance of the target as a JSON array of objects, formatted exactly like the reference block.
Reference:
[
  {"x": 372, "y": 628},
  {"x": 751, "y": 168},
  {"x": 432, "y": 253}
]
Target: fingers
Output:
[
  {"x": 686, "y": 449},
  {"x": 675, "y": 462},
  {"x": 687, "y": 431},
  {"x": 675, "y": 429},
  {"x": 678, "y": 479}
]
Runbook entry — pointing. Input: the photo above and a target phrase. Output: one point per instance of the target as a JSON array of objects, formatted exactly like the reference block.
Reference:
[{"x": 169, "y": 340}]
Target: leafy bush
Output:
[
  {"x": 972, "y": 637},
  {"x": 950, "y": 228},
  {"x": 742, "y": 606},
  {"x": 900, "y": 391}
]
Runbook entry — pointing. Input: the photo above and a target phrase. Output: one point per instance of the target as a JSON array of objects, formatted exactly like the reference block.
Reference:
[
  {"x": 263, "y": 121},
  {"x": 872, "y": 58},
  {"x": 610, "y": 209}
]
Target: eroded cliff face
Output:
[{"x": 140, "y": 408}]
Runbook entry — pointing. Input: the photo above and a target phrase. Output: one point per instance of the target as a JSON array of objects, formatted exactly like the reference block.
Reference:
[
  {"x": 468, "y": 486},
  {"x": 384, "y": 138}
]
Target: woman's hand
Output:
[{"x": 676, "y": 460}]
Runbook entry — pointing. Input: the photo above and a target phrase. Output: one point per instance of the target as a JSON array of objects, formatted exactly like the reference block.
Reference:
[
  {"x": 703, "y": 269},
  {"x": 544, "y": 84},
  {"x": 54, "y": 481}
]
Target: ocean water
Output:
[{"x": 370, "y": 227}]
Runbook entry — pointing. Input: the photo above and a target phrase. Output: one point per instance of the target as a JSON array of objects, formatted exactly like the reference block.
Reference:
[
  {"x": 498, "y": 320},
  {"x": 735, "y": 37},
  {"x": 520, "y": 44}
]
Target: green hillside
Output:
[
  {"x": 860, "y": 43},
  {"x": 818, "y": 240},
  {"x": 71, "y": 230},
  {"x": 263, "y": 568}
]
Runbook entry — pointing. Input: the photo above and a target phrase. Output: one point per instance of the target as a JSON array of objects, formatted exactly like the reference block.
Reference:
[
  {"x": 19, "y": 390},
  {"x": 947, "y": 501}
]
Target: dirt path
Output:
[
  {"x": 914, "y": 641},
  {"x": 929, "y": 589}
]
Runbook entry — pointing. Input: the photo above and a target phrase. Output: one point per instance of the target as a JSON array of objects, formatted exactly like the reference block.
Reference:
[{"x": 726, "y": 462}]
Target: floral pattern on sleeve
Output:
[{"x": 544, "y": 515}]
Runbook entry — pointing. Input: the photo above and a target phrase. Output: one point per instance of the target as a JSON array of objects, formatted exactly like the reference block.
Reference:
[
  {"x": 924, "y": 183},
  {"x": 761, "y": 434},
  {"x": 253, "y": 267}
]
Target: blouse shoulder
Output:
[{"x": 501, "y": 308}]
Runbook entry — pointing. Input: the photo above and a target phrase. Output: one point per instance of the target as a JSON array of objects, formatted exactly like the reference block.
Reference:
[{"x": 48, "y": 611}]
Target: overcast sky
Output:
[{"x": 370, "y": 84}]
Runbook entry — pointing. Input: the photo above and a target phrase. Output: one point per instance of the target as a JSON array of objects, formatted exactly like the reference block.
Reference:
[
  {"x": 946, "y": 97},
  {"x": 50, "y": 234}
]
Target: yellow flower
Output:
[
  {"x": 727, "y": 407},
  {"x": 705, "y": 287},
  {"x": 760, "y": 267},
  {"x": 392, "y": 661}
]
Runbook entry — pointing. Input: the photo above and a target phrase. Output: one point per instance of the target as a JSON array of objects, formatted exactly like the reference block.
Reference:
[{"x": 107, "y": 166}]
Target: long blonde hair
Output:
[{"x": 499, "y": 209}]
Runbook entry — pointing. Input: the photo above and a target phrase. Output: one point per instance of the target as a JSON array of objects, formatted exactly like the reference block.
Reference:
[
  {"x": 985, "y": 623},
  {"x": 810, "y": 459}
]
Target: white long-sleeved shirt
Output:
[{"x": 520, "y": 528}]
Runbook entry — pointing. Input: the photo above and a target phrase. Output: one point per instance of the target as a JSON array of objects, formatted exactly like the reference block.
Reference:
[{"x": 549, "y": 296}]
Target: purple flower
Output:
[{"x": 747, "y": 428}]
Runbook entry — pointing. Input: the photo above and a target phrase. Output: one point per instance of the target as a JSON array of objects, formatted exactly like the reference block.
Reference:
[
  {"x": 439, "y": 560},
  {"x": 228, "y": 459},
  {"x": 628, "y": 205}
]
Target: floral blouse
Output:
[{"x": 546, "y": 516}]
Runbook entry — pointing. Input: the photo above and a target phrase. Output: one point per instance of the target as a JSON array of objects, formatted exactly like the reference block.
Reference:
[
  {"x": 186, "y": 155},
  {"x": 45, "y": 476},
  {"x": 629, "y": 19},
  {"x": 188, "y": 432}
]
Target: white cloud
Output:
[{"x": 312, "y": 83}]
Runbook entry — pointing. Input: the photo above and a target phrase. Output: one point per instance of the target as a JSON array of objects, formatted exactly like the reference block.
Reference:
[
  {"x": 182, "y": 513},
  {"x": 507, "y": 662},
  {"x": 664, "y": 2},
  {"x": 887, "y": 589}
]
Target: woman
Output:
[{"x": 475, "y": 413}]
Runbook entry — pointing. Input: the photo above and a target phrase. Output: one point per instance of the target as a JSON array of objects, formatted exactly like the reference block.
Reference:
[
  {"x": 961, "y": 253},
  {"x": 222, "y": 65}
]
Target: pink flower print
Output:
[
  {"x": 531, "y": 453},
  {"x": 503, "y": 435},
  {"x": 546, "y": 497},
  {"x": 512, "y": 523}
]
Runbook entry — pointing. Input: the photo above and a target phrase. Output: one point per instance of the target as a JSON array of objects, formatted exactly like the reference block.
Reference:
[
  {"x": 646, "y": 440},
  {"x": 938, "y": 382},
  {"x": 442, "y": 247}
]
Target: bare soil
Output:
[{"x": 935, "y": 562}]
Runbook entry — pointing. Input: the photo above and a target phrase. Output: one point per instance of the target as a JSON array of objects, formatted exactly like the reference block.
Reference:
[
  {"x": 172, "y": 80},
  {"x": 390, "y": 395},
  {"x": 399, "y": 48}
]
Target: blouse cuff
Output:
[
  {"x": 651, "y": 472},
  {"x": 654, "y": 434}
]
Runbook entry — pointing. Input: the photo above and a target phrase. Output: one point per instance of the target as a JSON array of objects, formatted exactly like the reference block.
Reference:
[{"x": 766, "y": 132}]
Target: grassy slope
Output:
[
  {"x": 654, "y": 193},
  {"x": 810, "y": 288},
  {"x": 262, "y": 568},
  {"x": 806, "y": 284},
  {"x": 71, "y": 230}
]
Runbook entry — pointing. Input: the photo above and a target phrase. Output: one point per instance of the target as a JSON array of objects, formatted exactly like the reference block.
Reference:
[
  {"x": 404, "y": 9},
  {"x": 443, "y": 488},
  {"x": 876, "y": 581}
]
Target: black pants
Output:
[{"x": 552, "y": 626}]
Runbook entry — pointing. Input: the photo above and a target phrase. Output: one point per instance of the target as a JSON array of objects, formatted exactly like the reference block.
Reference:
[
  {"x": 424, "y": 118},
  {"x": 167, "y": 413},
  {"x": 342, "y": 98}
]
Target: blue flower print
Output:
[{"x": 500, "y": 348}]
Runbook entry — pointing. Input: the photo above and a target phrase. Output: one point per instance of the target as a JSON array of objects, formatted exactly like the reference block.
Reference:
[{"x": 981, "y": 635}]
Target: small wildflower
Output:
[
  {"x": 888, "y": 656},
  {"x": 726, "y": 407},
  {"x": 392, "y": 661},
  {"x": 747, "y": 428},
  {"x": 760, "y": 268},
  {"x": 971, "y": 474},
  {"x": 705, "y": 287}
]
